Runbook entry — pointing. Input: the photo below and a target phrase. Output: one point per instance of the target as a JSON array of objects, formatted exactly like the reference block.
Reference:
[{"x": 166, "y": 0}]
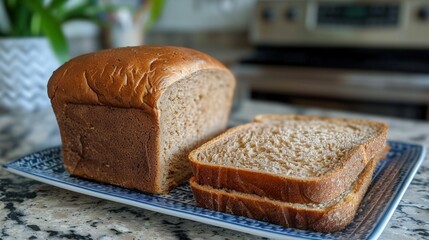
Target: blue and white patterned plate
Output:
[{"x": 388, "y": 186}]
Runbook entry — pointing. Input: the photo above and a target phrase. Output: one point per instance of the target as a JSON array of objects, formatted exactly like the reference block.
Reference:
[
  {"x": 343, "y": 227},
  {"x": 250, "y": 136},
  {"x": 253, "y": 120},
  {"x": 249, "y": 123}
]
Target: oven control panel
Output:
[
  {"x": 357, "y": 15},
  {"x": 349, "y": 23}
]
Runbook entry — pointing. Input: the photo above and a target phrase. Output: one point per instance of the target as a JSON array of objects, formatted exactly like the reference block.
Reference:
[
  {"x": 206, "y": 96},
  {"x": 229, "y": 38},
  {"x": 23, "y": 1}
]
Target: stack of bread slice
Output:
[{"x": 295, "y": 171}]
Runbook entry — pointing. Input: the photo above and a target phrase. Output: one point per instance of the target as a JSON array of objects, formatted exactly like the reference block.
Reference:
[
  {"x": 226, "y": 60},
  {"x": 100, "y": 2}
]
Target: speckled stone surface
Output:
[{"x": 33, "y": 210}]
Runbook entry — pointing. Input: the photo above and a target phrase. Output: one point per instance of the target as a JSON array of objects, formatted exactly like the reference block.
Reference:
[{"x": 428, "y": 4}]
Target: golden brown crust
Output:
[
  {"x": 88, "y": 150},
  {"x": 328, "y": 219},
  {"x": 290, "y": 189},
  {"x": 130, "y": 77},
  {"x": 106, "y": 104}
]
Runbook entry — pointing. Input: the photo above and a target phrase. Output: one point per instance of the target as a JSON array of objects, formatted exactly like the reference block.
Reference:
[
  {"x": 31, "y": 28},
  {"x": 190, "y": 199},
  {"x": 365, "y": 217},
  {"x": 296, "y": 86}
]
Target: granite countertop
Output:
[{"x": 33, "y": 210}]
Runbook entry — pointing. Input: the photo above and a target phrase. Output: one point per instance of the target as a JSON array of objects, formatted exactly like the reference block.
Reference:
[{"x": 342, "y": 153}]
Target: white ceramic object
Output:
[{"x": 26, "y": 64}]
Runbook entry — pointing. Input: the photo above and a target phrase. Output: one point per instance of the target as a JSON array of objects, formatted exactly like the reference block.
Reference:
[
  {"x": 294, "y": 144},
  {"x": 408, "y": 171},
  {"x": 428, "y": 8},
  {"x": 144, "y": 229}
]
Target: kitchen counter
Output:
[{"x": 33, "y": 210}]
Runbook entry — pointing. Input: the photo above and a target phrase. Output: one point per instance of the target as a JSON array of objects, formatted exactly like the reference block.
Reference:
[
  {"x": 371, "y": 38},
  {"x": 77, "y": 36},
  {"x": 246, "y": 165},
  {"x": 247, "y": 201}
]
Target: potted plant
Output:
[{"x": 32, "y": 45}]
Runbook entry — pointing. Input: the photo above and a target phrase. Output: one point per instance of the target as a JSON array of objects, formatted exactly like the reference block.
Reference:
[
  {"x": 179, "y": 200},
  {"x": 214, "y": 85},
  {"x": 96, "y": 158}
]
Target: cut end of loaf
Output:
[
  {"x": 298, "y": 148},
  {"x": 192, "y": 111}
]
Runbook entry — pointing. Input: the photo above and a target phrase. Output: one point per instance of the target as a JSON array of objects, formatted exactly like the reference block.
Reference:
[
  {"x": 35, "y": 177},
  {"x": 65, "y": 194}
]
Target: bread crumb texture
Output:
[
  {"x": 193, "y": 111},
  {"x": 296, "y": 148}
]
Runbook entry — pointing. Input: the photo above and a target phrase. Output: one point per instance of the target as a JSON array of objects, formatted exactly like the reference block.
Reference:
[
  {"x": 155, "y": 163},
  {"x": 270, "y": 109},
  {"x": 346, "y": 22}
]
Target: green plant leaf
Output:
[
  {"x": 22, "y": 19},
  {"x": 56, "y": 4},
  {"x": 51, "y": 27},
  {"x": 87, "y": 11},
  {"x": 4, "y": 19},
  {"x": 155, "y": 12},
  {"x": 64, "y": 11},
  {"x": 36, "y": 25},
  {"x": 52, "y": 30}
]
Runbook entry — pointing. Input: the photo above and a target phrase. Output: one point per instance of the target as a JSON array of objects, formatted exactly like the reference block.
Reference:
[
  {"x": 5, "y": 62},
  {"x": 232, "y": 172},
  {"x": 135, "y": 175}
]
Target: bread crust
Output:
[
  {"x": 130, "y": 77},
  {"x": 120, "y": 87},
  {"x": 329, "y": 219},
  {"x": 88, "y": 150},
  {"x": 291, "y": 189}
]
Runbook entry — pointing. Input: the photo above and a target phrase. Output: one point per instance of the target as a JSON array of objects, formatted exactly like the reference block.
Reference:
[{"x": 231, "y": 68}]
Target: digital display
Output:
[{"x": 365, "y": 15}]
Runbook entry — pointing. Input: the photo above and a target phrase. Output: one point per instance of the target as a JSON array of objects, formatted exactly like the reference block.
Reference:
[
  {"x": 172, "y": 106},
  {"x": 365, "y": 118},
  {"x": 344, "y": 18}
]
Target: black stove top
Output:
[{"x": 394, "y": 60}]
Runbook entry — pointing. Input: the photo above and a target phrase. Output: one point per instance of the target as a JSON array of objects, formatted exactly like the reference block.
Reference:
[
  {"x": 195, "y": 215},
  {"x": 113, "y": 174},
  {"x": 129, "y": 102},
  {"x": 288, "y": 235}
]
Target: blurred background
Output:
[{"x": 369, "y": 56}]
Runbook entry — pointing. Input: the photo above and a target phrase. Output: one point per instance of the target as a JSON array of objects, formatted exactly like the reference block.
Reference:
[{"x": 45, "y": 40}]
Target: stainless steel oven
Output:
[
  {"x": 362, "y": 55},
  {"x": 359, "y": 23}
]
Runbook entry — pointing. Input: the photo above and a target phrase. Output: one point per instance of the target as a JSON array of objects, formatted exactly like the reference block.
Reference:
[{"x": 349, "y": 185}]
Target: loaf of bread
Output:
[
  {"x": 329, "y": 216},
  {"x": 130, "y": 116},
  {"x": 297, "y": 159}
]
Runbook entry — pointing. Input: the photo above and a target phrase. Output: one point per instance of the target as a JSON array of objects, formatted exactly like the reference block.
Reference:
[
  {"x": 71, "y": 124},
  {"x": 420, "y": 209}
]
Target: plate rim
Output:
[
  {"x": 396, "y": 199},
  {"x": 151, "y": 207},
  {"x": 384, "y": 218}
]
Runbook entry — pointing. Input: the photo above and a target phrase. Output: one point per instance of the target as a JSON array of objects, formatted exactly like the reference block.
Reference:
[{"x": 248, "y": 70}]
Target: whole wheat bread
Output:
[
  {"x": 130, "y": 116},
  {"x": 329, "y": 216},
  {"x": 298, "y": 159}
]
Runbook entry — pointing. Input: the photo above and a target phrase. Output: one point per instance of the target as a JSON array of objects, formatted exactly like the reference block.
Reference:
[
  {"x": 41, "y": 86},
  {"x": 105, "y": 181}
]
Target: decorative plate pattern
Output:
[{"x": 391, "y": 179}]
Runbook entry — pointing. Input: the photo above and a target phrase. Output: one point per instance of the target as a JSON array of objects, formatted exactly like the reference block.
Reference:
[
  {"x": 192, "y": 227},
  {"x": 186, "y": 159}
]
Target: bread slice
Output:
[
  {"x": 296, "y": 159},
  {"x": 330, "y": 216},
  {"x": 130, "y": 116}
]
